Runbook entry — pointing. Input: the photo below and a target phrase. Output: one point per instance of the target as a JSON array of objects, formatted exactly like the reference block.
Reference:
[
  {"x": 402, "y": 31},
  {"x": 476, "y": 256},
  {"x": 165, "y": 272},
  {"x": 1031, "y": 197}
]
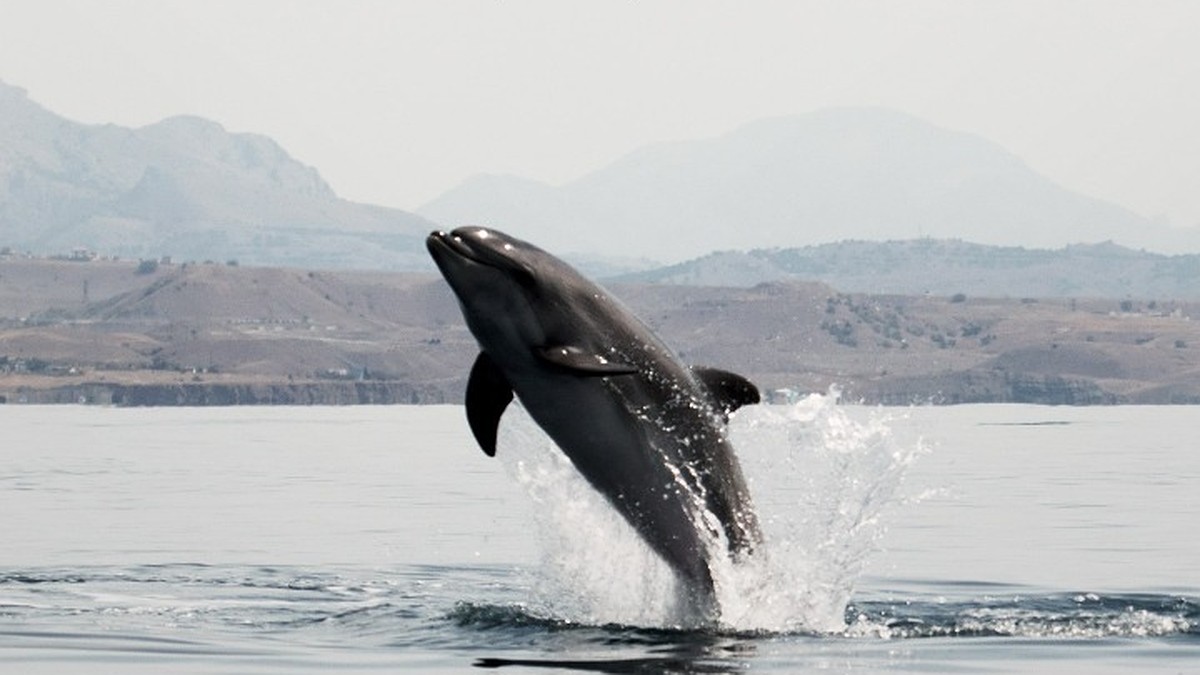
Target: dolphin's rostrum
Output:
[{"x": 646, "y": 431}]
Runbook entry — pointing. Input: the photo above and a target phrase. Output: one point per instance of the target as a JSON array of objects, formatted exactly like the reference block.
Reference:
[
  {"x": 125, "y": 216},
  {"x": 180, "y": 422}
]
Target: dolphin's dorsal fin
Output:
[
  {"x": 488, "y": 394},
  {"x": 730, "y": 390},
  {"x": 583, "y": 362}
]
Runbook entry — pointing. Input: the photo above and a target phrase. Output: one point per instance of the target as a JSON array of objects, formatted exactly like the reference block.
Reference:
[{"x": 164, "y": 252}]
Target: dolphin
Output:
[{"x": 646, "y": 431}]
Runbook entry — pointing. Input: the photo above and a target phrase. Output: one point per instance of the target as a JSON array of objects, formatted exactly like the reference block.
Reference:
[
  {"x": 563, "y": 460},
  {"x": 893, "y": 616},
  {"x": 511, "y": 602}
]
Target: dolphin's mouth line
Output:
[
  {"x": 449, "y": 243},
  {"x": 454, "y": 245}
]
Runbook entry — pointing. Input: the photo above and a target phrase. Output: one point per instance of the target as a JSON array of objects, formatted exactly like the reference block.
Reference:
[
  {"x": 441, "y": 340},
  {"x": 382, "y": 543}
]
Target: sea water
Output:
[{"x": 927, "y": 539}]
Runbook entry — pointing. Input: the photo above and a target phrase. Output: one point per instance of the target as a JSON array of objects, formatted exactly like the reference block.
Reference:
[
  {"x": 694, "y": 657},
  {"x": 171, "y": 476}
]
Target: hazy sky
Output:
[{"x": 396, "y": 101}]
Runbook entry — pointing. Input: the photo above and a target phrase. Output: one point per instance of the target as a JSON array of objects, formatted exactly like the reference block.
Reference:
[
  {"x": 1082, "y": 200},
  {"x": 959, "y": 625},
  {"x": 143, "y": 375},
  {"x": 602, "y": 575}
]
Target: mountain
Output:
[
  {"x": 183, "y": 187},
  {"x": 831, "y": 175},
  {"x": 187, "y": 188},
  {"x": 947, "y": 267}
]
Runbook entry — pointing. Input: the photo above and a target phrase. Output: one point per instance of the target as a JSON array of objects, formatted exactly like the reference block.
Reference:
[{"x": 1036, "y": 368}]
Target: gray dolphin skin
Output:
[{"x": 645, "y": 430}]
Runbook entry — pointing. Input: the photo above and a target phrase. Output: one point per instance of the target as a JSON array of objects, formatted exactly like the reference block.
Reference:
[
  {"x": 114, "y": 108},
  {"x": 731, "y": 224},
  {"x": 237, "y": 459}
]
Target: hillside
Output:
[
  {"x": 204, "y": 334},
  {"x": 947, "y": 267},
  {"x": 831, "y": 175},
  {"x": 184, "y": 187}
]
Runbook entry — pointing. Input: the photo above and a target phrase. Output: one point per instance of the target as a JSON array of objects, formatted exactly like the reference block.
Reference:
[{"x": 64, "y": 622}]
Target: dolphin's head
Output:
[
  {"x": 504, "y": 285},
  {"x": 473, "y": 253}
]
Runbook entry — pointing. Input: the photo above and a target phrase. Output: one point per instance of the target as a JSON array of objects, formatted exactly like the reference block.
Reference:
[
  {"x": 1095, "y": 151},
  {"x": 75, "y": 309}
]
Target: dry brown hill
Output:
[{"x": 203, "y": 334}]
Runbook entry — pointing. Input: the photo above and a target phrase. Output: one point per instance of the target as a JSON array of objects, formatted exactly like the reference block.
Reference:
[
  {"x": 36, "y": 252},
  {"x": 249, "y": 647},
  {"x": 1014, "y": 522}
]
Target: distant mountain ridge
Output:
[
  {"x": 183, "y": 187},
  {"x": 948, "y": 267},
  {"x": 826, "y": 176},
  {"x": 187, "y": 188}
]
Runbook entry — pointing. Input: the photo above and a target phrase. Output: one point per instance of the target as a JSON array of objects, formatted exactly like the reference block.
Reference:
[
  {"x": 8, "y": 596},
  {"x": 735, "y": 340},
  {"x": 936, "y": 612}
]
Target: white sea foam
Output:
[
  {"x": 831, "y": 478},
  {"x": 594, "y": 568}
]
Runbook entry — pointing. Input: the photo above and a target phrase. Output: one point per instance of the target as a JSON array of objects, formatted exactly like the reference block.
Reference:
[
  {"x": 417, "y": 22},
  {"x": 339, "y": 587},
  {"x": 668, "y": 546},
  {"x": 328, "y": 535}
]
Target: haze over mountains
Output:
[
  {"x": 826, "y": 176},
  {"x": 187, "y": 188},
  {"x": 183, "y": 187}
]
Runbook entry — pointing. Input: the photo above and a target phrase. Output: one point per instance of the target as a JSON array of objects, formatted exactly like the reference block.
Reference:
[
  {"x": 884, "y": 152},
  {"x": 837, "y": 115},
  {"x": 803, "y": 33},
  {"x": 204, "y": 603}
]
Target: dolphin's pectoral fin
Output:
[
  {"x": 488, "y": 394},
  {"x": 730, "y": 390},
  {"x": 582, "y": 362}
]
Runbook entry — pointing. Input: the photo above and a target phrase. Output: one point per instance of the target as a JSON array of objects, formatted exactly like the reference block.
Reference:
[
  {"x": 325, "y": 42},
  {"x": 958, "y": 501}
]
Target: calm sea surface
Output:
[{"x": 246, "y": 540}]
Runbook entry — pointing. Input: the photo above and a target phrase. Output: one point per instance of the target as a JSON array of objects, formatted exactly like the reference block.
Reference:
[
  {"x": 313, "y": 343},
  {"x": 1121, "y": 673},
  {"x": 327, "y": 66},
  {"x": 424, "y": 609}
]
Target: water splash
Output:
[
  {"x": 594, "y": 569},
  {"x": 829, "y": 476}
]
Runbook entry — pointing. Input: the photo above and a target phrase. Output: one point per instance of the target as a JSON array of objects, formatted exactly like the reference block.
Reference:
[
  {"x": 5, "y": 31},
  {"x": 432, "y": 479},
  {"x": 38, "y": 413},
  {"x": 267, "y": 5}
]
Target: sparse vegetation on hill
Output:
[
  {"x": 949, "y": 267},
  {"x": 203, "y": 334}
]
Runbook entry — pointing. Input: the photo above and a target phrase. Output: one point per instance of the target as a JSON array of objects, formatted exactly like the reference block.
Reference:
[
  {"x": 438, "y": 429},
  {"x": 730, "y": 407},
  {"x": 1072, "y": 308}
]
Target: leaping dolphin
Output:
[{"x": 645, "y": 430}]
